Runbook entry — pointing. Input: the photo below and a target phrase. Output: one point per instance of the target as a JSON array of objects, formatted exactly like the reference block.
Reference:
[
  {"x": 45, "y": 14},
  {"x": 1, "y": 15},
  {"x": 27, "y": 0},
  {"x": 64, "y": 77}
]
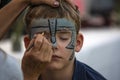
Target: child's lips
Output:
[{"x": 55, "y": 57}]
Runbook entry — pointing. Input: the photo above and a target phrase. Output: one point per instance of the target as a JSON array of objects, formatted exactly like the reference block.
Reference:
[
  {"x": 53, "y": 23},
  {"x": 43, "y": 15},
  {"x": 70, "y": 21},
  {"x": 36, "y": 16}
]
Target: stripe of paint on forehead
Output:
[
  {"x": 38, "y": 29},
  {"x": 39, "y": 26}
]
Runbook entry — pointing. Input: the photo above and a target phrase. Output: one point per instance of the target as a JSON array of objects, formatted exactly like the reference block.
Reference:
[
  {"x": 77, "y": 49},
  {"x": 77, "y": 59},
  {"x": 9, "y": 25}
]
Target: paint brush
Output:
[{"x": 33, "y": 43}]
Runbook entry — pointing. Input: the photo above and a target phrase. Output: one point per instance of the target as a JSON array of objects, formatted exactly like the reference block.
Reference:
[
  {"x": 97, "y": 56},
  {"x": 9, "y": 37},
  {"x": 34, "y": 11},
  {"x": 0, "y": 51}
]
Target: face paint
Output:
[
  {"x": 52, "y": 28},
  {"x": 43, "y": 25},
  {"x": 53, "y": 25},
  {"x": 64, "y": 23}
]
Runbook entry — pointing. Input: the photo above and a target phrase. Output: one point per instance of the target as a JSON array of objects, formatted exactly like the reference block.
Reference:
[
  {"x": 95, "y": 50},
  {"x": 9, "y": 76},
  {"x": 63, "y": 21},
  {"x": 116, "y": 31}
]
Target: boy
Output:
[{"x": 53, "y": 37}]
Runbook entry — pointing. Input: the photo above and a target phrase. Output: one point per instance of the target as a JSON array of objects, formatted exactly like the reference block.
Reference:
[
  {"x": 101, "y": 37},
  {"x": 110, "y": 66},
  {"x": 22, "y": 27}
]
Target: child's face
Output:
[{"x": 61, "y": 34}]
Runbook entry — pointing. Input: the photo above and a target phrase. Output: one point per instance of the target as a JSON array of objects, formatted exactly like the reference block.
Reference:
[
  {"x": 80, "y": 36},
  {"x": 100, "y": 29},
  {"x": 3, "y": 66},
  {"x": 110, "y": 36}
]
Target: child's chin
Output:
[{"x": 54, "y": 66}]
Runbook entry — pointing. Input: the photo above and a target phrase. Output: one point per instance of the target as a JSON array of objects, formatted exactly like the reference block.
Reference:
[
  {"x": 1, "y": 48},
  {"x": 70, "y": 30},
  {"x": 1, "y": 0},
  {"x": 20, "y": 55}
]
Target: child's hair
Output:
[{"x": 65, "y": 10}]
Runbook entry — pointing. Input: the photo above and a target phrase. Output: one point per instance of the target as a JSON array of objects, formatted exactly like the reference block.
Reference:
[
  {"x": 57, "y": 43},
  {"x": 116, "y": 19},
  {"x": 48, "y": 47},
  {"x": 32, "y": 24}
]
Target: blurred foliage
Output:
[
  {"x": 117, "y": 10},
  {"x": 18, "y": 29},
  {"x": 117, "y": 6}
]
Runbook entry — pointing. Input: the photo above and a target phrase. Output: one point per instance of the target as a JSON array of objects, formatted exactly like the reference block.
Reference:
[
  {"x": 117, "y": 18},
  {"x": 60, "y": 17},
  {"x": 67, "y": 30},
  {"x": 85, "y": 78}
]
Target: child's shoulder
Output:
[{"x": 86, "y": 72}]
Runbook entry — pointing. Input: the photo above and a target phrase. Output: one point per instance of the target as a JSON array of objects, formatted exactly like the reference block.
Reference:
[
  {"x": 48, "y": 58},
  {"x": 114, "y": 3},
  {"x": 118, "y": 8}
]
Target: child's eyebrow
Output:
[{"x": 63, "y": 32}]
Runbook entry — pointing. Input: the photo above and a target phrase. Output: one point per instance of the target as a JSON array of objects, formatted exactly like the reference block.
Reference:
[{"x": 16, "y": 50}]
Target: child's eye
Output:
[{"x": 63, "y": 38}]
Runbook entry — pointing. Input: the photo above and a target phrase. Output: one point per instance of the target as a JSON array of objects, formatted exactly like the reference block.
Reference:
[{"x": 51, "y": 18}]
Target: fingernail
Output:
[
  {"x": 42, "y": 34},
  {"x": 34, "y": 36},
  {"x": 56, "y": 3}
]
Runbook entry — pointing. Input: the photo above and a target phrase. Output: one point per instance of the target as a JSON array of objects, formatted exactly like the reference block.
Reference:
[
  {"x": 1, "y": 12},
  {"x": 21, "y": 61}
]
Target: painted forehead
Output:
[
  {"x": 57, "y": 22},
  {"x": 52, "y": 26}
]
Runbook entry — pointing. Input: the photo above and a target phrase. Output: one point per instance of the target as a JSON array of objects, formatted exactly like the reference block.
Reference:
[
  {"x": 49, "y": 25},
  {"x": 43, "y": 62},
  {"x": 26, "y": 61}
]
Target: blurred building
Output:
[{"x": 99, "y": 13}]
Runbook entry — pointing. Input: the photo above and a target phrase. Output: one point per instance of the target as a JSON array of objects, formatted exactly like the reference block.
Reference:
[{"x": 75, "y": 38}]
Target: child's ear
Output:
[
  {"x": 79, "y": 42},
  {"x": 26, "y": 41}
]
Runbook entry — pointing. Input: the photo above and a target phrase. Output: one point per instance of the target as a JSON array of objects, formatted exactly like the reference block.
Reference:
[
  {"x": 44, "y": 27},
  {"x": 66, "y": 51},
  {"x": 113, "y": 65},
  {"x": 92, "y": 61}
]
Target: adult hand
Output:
[
  {"x": 53, "y": 3},
  {"x": 36, "y": 57},
  {"x": 49, "y": 2}
]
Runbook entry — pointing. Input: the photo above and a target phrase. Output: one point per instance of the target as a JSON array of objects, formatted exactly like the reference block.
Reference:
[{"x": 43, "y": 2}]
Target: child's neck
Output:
[{"x": 65, "y": 74}]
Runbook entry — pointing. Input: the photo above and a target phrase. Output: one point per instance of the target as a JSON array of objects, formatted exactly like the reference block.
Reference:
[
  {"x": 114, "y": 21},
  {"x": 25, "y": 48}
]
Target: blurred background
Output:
[{"x": 100, "y": 21}]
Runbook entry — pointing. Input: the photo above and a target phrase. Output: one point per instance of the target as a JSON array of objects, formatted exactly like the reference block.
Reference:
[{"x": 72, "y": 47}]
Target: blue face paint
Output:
[{"x": 53, "y": 25}]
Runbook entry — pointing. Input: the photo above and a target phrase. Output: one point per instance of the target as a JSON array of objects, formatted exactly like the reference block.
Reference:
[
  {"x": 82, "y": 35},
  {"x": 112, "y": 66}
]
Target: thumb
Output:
[{"x": 53, "y": 3}]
